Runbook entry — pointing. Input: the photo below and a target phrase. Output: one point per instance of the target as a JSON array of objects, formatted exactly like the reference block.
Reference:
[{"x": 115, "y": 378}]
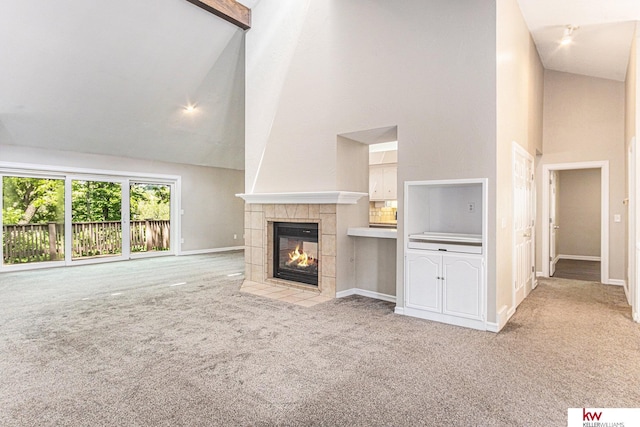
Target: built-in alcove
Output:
[
  {"x": 445, "y": 251},
  {"x": 445, "y": 208}
]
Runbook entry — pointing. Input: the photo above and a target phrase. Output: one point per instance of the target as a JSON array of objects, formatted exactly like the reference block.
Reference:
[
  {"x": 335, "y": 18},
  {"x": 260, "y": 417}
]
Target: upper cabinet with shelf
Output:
[
  {"x": 383, "y": 182},
  {"x": 383, "y": 175}
]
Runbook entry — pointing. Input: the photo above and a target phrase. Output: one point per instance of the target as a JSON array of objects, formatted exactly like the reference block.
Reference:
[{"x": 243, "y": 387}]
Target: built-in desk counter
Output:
[
  {"x": 380, "y": 233},
  {"x": 375, "y": 263}
]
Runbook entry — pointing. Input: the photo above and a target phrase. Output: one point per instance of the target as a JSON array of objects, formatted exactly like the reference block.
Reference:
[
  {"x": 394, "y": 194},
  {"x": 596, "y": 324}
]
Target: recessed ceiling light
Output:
[
  {"x": 189, "y": 108},
  {"x": 567, "y": 37}
]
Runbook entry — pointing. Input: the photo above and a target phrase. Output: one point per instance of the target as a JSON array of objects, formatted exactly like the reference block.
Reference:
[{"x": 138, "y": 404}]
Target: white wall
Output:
[
  {"x": 519, "y": 119},
  {"x": 632, "y": 122},
  {"x": 579, "y": 213},
  {"x": 212, "y": 213},
  {"x": 584, "y": 121},
  {"x": 316, "y": 69}
]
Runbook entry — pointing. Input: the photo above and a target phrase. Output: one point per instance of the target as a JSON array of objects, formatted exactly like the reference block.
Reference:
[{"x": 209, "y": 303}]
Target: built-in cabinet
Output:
[
  {"x": 444, "y": 283},
  {"x": 445, "y": 251},
  {"x": 383, "y": 181}
]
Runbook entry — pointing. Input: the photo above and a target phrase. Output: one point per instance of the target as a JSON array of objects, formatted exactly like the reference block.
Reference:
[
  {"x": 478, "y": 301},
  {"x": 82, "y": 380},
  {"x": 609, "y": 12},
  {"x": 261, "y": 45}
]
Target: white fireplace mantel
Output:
[{"x": 315, "y": 198}]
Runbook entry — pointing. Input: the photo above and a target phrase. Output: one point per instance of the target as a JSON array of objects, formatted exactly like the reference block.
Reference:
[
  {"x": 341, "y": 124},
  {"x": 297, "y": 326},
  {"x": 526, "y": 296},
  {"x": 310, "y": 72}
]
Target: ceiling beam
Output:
[{"x": 229, "y": 10}]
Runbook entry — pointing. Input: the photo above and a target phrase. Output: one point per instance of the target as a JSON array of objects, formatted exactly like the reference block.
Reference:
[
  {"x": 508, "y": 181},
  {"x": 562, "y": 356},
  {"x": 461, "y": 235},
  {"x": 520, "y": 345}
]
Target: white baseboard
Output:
[
  {"x": 636, "y": 317},
  {"x": 210, "y": 251},
  {"x": 539, "y": 274},
  {"x": 503, "y": 316},
  {"x": 366, "y": 293},
  {"x": 617, "y": 282},
  {"x": 579, "y": 257},
  {"x": 493, "y": 327},
  {"x": 347, "y": 293},
  {"x": 480, "y": 325},
  {"x": 626, "y": 294},
  {"x": 399, "y": 310}
]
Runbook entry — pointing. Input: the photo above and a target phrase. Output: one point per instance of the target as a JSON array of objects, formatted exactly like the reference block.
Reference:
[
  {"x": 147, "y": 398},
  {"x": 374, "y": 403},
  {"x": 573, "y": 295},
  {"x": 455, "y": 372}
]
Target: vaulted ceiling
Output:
[
  {"x": 602, "y": 43},
  {"x": 115, "y": 77}
]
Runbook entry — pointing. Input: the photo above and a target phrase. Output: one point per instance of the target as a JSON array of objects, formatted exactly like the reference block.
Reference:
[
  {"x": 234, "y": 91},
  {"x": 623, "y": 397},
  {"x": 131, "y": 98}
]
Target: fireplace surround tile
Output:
[
  {"x": 257, "y": 273},
  {"x": 328, "y": 286},
  {"x": 330, "y": 244},
  {"x": 327, "y": 209},
  {"x": 314, "y": 211},
  {"x": 259, "y": 242},
  {"x": 257, "y": 239},
  {"x": 269, "y": 211},
  {"x": 328, "y": 265},
  {"x": 256, "y": 220},
  {"x": 302, "y": 212},
  {"x": 281, "y": 212},
  {"x": 291, "y": 211},
  {"x": 328, "y": 221}
]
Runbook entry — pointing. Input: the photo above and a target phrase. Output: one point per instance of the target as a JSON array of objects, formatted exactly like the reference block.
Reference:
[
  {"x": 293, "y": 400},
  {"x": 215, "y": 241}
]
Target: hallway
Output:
[{"x": 578, "y": 270}]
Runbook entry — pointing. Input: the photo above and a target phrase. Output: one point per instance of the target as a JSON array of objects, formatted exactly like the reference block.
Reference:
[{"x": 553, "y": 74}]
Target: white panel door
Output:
[
  {"x": 553, "y": 226},
  {"x": 423, "y": 283},
  {"x": 523, "y": 224},
  {"x": 463, "y": 288}
]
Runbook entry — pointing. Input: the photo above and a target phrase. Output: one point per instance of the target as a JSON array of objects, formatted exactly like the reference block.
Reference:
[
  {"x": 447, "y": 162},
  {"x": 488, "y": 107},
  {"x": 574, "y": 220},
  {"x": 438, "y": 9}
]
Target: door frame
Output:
[
  {"x": 604, "y": 212},
  {"x": 173, "y": 218},
  {"x": 68, "y": 218},
  {"x": 519, "y": 150},
  {"x": 553, "y": 211}
]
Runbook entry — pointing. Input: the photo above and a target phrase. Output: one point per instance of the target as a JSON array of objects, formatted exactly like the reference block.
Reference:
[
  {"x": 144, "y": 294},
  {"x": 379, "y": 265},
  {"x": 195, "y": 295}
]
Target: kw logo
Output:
[{"x": 590, "y": 416}]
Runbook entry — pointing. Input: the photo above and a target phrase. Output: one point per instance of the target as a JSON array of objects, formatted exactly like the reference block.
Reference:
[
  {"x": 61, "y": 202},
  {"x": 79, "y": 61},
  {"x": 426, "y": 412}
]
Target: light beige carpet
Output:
[{"x": 118, "y": 345}]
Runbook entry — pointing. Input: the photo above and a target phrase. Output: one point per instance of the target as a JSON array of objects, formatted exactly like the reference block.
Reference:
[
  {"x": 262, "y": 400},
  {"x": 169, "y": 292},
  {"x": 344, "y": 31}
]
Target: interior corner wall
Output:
[
  {"x": 519, "y": 94},
  {"x": 584, "y": 120},
  {"x": 631, "y": 92},
  {"x": 352, "y": 160},
  {"x": 632, "y": 117},
  {"x": 212, "y": 213},
  {"x": 427, "y": 66}
]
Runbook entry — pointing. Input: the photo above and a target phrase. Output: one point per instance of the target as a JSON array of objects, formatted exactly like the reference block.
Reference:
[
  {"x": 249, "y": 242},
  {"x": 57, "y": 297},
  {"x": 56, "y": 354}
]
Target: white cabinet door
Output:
[
  {"x": 390, "y": 178},
  {"x": 376, "y": 183},
  {"x": 423, "y": 284},
  {"x": 462, "y": 286}
]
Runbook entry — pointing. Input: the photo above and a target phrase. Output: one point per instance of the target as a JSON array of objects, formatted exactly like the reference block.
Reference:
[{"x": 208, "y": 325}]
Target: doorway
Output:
[
  {"x": 575, "y": 235},
  {"x": 150, "y": 217},
  {"x": 96, "y": 219},
  {"x": 552, "y": 227}
]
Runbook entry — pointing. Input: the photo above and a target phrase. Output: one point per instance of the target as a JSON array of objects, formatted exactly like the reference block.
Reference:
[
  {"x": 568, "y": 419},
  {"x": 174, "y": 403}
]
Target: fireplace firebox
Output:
[{"x": 296, "y": 252}]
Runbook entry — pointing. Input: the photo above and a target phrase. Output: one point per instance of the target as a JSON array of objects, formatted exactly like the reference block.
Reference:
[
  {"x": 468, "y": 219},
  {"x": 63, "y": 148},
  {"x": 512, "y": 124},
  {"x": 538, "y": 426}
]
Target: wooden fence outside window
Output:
[{"x": 45, "y": 242}]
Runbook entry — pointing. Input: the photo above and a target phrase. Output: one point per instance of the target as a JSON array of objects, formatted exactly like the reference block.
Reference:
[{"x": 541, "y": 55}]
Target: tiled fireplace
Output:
[
  {"x": 259, "y": 242},
  {"x": 302, "y": 214}
]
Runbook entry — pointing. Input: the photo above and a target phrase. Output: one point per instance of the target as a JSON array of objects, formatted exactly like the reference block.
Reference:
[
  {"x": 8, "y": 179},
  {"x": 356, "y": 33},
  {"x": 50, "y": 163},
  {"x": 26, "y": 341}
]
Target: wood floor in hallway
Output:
[{"x": 578, "y": 270}]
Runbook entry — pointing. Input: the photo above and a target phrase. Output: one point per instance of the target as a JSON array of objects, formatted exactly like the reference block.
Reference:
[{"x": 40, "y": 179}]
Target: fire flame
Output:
[{"x": 300, "y": 258}]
